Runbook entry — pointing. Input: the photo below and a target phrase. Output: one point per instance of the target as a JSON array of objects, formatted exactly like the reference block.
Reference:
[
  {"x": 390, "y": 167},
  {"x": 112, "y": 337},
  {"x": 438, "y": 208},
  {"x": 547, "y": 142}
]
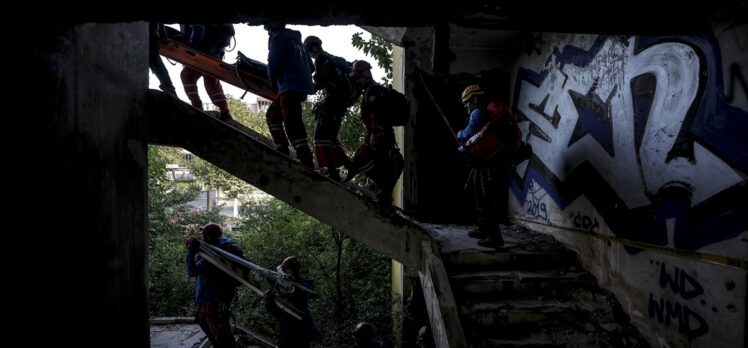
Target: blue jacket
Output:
[
  {"x": 478, "y": 118},
  {"x": 212, "y": 285},
  {"x": 289, "y": 66}
]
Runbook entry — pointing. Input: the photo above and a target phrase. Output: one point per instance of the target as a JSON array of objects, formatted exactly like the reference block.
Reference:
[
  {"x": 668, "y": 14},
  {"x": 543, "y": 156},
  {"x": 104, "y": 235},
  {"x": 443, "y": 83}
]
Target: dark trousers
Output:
[
  {"x": 489, "y": 183},
  {"x": 212, "y": 86},
  {"x": 286, "y": 125},
  {"x": 383, "y": 165},
  {"x": 213, "y": 318},
  {"x": 329, "y": 114},
  {"x": 154, "y": 59}
]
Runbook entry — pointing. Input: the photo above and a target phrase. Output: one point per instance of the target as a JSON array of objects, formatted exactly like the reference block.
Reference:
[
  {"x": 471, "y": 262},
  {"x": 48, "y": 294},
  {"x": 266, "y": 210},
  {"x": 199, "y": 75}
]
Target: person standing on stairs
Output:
[
  {"x": 487, "y": 176},
  {"x": 289, "y": 72},
  {"x": 211, "y": 40},
  {"x": 331, "y": 76},
  {"x": 378, "y": 158},
  {"x": 214, "y": 289},
  {"x": 156, "y": 33}
]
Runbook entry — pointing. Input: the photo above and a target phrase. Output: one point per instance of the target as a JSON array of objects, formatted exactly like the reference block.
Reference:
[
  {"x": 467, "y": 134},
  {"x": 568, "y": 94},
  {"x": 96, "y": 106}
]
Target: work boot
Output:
[
  {"x": 493, "y": 241},
  {"x": 282, "y": 148},
  {"x": 225, "y": 116},
  {"x": 333, "y": 174},
  {"x": 304, "y": 155},
  {"x": 487, "y": 243},
  {"x": 478, "y": 234},
  {"x": 168, "y": 89},
  {"x": 352, "y": 172}
]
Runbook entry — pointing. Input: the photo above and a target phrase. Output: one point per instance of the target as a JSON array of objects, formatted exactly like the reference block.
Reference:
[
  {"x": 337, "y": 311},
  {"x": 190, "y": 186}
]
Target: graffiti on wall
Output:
[
  {"x": 640, "y": 126},
  {"x": 536, "y": 208},
  {"x": 681, "y": 307},
  {"x": 584, "y": 222}
]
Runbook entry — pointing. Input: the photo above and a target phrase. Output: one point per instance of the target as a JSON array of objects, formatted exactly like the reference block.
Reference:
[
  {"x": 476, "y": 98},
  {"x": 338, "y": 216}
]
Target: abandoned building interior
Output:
[{"x": 638, "y": 122}]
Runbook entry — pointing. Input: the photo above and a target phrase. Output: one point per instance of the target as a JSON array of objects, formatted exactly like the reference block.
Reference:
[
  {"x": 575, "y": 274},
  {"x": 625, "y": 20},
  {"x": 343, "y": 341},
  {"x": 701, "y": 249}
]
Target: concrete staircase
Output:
[
  {"x": 249, "y": 156},
  {"x": 531, "y": 294}
]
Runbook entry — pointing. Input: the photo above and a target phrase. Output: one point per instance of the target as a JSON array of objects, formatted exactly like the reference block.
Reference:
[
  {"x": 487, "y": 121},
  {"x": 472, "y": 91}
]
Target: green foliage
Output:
[
  {"x": 215, "y": 178},
  {"x": 350, "y": 291},
  {"x": 241, "y": 113},
  {"x": 351, "y": 279},
  {"x": 170, "y": 221},
  {"x": 379, "y": 49}
]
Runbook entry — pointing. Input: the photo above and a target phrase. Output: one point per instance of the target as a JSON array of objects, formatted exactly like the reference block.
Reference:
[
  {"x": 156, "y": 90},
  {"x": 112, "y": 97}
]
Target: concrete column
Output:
[{"x": 90, "y": 83}]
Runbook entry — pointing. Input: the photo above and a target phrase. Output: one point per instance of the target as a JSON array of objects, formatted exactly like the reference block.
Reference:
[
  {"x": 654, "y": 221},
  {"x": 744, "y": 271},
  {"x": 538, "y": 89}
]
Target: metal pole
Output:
[{"x": 439, "y": 110}]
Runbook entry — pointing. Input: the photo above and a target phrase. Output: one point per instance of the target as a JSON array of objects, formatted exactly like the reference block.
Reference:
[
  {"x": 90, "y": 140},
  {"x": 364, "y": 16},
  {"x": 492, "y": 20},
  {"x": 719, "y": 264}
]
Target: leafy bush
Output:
[{"x": 350, "y": 278}]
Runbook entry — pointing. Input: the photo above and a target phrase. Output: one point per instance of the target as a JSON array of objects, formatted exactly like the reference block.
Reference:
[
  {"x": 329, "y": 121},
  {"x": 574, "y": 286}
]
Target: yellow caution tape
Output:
[{"x": 693, "y": 255}]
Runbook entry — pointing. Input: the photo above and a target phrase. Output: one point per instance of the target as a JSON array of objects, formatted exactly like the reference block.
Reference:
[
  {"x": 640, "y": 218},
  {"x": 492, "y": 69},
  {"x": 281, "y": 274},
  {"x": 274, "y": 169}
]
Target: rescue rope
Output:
[{"x": 439, "y": 110}]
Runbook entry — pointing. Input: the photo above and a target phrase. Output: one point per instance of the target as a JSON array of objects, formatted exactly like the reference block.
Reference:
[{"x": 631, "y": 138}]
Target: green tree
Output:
[
  {"x": 241, "y": 113},
  {"x": 379, "y": 49},
  {"x": 348, "y": 276},
  {"x": 213, "y": 177},
  {"x": 170, "y": 221}
]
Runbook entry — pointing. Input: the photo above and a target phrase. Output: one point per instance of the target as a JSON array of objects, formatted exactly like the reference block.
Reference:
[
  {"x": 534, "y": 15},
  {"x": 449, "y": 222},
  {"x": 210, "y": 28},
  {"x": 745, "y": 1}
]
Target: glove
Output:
[{"x": 193, "y": 244}]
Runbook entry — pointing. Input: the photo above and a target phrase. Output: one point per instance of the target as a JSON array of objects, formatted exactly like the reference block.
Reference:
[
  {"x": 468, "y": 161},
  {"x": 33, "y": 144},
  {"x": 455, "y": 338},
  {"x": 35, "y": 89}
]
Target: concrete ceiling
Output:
[
  {"x": 623, "y": 17},
  {"x": 459, "y": 37}
]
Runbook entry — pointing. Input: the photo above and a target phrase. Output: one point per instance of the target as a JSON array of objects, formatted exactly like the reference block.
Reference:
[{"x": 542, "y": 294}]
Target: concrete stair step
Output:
[
  {"x": 562, "y": 336},
  {"x": 477, "y": 260},
  {"x": 505, "y": 315},
  {"x": 505, "y": 284}
]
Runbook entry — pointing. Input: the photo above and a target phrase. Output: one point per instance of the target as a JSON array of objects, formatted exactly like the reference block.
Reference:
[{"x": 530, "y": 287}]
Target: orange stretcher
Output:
[{"x": 246, "y": 73}]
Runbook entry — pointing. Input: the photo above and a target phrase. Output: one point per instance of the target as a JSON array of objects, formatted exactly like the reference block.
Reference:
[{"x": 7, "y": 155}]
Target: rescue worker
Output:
[
  {"x": 425, "y": 339},
  {"x": 331, "y": 76},
  {"x": 211, "y": 40},
  {"x": 363, "y": 335},
  {"x": 293, "y": 333},
  {"x": 378, "y": 158},
  {"x": 214, "y": 290},
  {"x": 156, "y": 33},
  {"x": 290, "y": 72},
  {"x": 488, "y": 176}
]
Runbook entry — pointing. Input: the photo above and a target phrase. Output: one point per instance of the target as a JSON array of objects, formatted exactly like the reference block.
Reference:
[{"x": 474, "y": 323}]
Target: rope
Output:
[{"x": 439, "y": 110}]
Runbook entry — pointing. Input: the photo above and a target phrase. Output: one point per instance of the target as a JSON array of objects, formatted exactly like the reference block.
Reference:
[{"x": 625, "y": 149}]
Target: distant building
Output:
[
  {"x": 261, "y": 105},
  {"x": 178, "y": 173}
]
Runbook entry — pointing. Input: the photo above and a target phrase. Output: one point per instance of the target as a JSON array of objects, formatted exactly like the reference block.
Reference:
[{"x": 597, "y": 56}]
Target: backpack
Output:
[
  {"x": 499, "y": 137},
  {"x": 340, "y": 69},
  {"x": 396, "y": 106}
]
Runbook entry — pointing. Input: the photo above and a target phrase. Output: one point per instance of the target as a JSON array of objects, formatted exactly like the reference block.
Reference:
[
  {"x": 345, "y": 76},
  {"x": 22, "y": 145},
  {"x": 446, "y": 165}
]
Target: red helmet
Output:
[
  {"x": 312, "y": 40},
  {"x": 363, "y": 331},
  {"x": 359, "y": 67},
  {"x": 291, "y": 263}
]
